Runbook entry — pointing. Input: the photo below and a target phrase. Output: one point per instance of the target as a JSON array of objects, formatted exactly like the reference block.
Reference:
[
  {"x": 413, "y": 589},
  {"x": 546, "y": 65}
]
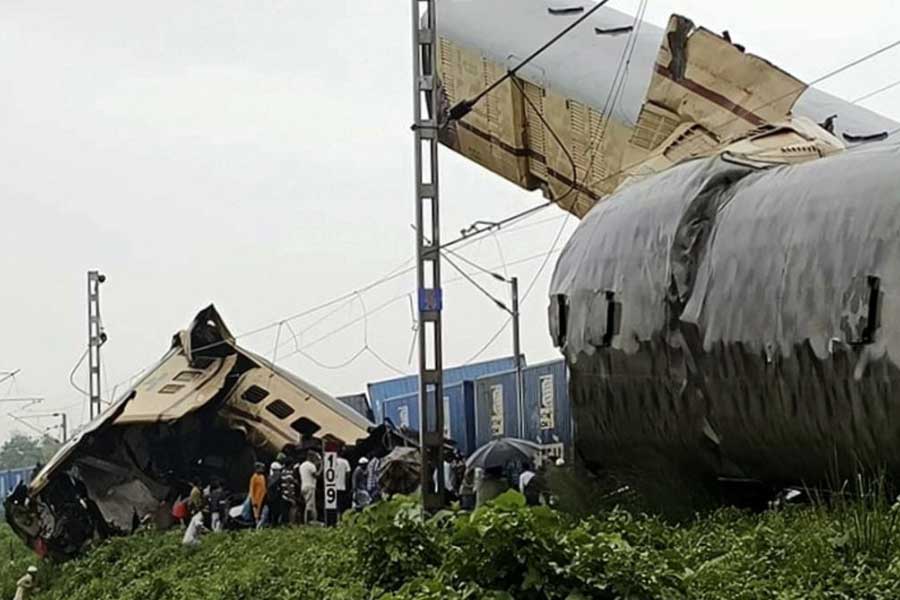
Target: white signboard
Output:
[
  {"x": 548, "y": 412},
  {"x": 497, "y": 410},
  {"x": 331, "y": 475}
]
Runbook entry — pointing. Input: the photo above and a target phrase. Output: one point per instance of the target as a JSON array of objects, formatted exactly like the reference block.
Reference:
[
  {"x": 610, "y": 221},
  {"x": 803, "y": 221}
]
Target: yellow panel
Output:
[
  {"x": 165, "y": 396},
  {"x": 276, "y": 429}
]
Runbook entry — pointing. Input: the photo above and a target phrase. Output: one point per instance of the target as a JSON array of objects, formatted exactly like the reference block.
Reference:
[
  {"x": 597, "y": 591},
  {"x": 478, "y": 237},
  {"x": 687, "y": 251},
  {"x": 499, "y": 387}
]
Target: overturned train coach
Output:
[
  {"x": 208, "y": 409},
  {"x": 731, "y": 321},
  {"x": 728, "y": 306}
]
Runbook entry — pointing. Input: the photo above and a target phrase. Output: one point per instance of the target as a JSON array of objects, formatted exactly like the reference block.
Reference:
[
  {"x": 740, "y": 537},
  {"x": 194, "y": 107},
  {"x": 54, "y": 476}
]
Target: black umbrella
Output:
[
  {"x": 499, "y": 452},
  {"x": 399, "y": 471}
]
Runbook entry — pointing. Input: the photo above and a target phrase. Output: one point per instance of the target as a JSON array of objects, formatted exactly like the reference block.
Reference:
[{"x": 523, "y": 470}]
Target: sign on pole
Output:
[{"x": 331, "y": 491}]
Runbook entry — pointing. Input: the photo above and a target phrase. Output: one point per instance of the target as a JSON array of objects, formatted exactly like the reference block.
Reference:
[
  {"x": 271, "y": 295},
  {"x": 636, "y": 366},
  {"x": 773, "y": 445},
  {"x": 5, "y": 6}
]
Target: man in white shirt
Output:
[
  {"x": 309, "y": 475},
  {"x": 194, "y": 529},
  {"x": 342, "y": 475}
]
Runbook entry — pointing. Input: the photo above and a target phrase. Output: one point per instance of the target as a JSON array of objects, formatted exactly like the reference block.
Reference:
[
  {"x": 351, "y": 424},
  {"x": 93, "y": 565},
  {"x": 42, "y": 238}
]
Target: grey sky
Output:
[{"x": 257, "y": 155}]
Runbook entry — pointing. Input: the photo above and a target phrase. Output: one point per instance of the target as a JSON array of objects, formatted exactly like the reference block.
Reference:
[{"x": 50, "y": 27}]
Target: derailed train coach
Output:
[
  {"x": 729, "y": 321},
  {"x": 208, "y": 409}
]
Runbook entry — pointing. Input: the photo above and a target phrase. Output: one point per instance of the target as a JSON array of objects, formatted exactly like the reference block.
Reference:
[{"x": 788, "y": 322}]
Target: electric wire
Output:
[
  {"x": 477, "y": 285},
  {"x": 391, "y": 301},
  {"x": 465, "y": 106},
  {"x": 876, "y": 92},
  {"x": 75, "y": 369}
]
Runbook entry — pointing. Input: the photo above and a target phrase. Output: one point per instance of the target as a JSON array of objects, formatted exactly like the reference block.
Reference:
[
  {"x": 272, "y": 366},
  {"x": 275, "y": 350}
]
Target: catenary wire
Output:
[
  {"x": 463, "y": 107},
  {"x": 877, "y": 92},
  {"x": 475, "y": 284}
]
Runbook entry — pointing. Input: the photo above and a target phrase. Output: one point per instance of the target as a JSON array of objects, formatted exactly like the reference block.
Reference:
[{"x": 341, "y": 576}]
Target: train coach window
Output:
[
  {"x": 254, "y": 394},
  {"x": 305, "y": 427},
  {"x": 170, "y": 388},
  {"x": 613, "y": 318},
  {"x": 280, "y": 409},
  {"x": 559, "y": 317},
  {"x": 873, "y": 317}
]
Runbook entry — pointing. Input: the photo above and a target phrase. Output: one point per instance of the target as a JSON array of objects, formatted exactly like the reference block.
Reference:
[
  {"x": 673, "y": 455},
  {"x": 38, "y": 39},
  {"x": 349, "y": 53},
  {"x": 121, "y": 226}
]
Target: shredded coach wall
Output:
[{"x": 722, "y": 321}]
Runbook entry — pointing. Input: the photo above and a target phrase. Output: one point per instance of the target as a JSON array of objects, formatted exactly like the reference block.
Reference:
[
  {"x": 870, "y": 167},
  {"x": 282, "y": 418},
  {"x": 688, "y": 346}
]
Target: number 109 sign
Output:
[{"x": 330, "y": 474}]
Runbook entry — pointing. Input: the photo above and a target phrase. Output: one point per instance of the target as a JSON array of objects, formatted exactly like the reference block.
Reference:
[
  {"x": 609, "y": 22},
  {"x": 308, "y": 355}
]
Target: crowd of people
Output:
[
  {"x": 287, "y": 491},
  {"x": 477, "y": 486}
]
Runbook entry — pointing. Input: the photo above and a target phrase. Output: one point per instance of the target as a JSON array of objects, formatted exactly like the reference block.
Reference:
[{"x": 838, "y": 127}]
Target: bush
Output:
[
  {"x": 393, "y": 542},
  {"x": 502, "y": 551}
]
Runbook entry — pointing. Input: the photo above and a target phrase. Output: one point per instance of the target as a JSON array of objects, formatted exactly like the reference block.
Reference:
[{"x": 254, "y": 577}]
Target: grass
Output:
[{"x": 847, "y": 550}]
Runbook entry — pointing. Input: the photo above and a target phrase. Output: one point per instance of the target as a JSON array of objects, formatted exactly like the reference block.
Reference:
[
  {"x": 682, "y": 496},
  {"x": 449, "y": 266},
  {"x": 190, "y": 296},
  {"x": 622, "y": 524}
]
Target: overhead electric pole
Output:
[
  {"x": 426, "y": 103},
  {"x": 96, "y": 338},
  {"x": 517, "y": 352},
  {"x": 64, "y": 425}
]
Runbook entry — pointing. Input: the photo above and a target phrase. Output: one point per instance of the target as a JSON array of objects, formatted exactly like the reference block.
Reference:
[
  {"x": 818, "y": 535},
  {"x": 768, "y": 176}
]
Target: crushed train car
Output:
[
  {"x": 208, "y": 408},
  {"x": 727, "y": 321}
]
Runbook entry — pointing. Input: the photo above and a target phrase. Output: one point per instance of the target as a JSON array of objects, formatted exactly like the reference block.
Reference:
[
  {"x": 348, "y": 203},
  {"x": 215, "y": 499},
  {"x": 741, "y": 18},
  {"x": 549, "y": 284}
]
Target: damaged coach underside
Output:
[
  {"x": 724, "y": 322},
  {"x": 208, "y": 410}
]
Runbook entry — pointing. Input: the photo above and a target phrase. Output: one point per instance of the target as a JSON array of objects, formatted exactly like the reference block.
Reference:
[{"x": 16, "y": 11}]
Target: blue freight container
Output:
[
  {"x": 11, "y": 478},
  {"x": 548, "y": 417},
  {"x": 403, "y": 386},
  {"x": 459, "y": 414},
  {"x": 496, "y": 414}
]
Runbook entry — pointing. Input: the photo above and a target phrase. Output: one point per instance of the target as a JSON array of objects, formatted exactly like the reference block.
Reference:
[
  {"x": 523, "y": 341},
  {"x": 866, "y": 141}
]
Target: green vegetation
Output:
[
  {"x": 23, "y": 451},
  {"x": 505, "y": 551}
]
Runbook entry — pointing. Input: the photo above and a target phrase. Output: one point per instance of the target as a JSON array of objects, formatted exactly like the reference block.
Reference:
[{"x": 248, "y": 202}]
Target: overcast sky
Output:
[{"x": 257, "y": 155}]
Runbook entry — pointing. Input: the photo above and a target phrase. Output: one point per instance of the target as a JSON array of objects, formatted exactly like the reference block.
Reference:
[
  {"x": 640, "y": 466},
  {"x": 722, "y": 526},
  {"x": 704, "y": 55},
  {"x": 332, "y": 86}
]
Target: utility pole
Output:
[
  {"x": 517, "y": 351},
  {"x": 64, "y": 425},
  {"x": 96, "y": 338},
  {"x": 426, "y": 103}
]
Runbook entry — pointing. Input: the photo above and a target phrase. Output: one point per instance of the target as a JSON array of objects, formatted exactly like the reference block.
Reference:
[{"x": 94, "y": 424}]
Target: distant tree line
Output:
[{"x": 21, "y": 451}]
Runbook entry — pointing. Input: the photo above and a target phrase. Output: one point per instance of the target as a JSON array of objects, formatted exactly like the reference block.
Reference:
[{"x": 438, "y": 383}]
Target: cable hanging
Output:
[{"x": 464, "y": 107}]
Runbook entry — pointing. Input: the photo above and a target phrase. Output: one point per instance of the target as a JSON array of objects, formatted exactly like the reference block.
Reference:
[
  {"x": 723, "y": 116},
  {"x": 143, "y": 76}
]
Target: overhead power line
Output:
[
  {"x": 876, "y": 92},
  {"x": 464, "y": 107},
  {"x": 500, "y": 304}
]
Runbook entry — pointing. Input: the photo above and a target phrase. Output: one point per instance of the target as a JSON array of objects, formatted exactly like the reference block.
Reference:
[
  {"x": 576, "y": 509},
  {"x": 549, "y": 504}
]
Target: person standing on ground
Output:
[
  {"x": 288, "y": 490},
  {"x": 26, "y": 583},
  {"x": 492, "y": 484},
  {"x": 342, "y": 473},
  {"x": 273, "y": 495},
  {"x": 372, "y": 485},
  {"x": 309, "y": 475},
  {"x": 467, "y": 490},
  {"x": 258, "y": 491},
  {"x": 217, "y": 506},
  {"x": 359, "y": 480},
  {"x": 528, "y": 486},
  {"x": 277, "y": 464},
  {"x": 195, "y": 500}
]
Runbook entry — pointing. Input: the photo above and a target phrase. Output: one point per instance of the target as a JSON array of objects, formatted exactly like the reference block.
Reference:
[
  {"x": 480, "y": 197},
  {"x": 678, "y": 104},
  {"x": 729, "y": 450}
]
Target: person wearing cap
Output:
[
  {"x": 359, "y": 482},
  {"x": 277, "y": 464},
  {"x": 257, "y": 491},
  {"x": 273, "y": 495},
  {"x": 26, "y": 583}
]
